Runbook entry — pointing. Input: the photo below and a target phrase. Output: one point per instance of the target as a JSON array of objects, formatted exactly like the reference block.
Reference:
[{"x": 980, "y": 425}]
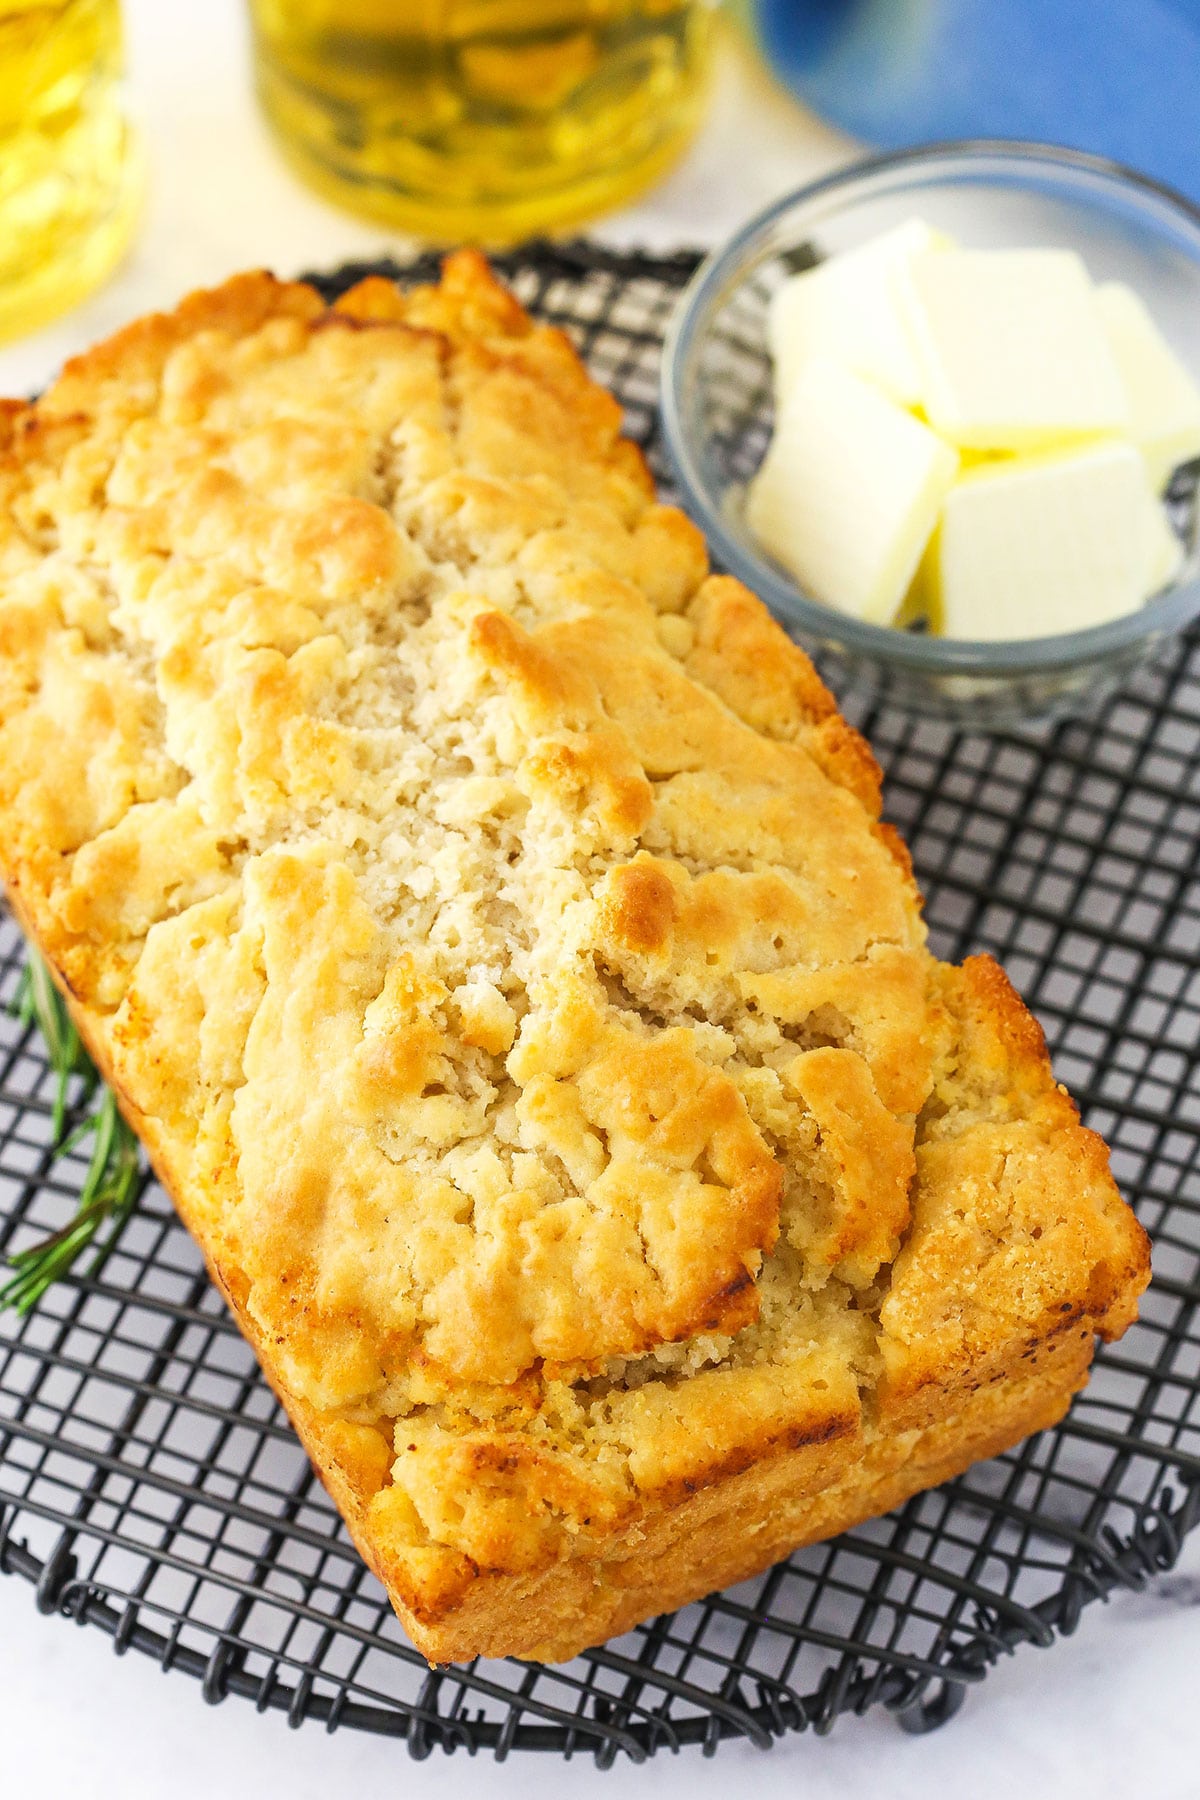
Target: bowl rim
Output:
[{"x": 1163, "y": 614}]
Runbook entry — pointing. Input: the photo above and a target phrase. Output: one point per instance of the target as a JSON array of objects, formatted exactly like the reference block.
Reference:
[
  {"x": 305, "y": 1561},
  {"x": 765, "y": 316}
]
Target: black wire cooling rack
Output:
[{"x": 150, "y": 1485}]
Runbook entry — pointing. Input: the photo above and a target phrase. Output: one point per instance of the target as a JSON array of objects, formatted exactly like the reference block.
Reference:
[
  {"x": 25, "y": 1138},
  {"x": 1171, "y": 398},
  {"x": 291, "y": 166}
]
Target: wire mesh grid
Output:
[{"x": 150, "y": 1484}]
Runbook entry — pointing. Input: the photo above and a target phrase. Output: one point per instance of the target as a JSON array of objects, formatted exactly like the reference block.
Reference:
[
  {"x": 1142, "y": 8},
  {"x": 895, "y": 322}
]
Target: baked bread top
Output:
[{"x": 486, "y": 916}]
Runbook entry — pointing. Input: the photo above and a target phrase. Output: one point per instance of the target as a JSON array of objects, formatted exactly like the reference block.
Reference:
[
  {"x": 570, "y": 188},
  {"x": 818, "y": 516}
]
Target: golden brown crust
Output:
[{"x": 485, "y": 919}]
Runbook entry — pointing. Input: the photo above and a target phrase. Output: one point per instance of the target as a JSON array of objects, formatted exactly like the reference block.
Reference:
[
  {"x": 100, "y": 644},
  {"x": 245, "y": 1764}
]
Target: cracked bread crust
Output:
[{"x": 484, "y": 916}]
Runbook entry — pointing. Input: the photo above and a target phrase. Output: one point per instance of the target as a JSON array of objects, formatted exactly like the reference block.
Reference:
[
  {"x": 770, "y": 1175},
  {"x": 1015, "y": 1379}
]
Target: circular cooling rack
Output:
[{"x": 151, "y": 1485}]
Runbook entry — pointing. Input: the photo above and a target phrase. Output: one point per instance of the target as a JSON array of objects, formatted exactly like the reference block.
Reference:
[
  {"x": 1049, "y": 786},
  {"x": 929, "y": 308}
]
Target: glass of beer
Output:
[
  {"x": 481, "y": 119},
  {"x": 69, "y": 170}
]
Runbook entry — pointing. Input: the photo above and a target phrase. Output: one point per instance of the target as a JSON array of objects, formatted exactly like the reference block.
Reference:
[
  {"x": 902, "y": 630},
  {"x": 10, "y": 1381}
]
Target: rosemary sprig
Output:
[
  {"x": 110, "y": 1186},
  {"x": 38, "y": 1002}
]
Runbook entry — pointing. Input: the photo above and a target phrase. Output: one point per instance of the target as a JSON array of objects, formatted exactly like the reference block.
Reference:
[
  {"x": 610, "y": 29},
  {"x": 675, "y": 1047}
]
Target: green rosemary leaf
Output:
[
  {"x": 110, "y": 1186},
  {"x": 38, "y": 1002},
  {"x": 111, "y": 1182}
]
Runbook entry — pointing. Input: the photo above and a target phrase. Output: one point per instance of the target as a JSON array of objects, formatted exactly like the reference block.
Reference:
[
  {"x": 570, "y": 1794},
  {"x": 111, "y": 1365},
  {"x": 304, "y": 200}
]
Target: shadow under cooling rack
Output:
[{"x": 150, "y": 1485}]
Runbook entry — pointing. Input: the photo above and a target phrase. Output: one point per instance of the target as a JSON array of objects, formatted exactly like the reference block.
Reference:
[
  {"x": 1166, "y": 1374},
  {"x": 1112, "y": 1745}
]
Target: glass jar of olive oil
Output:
[
  {"x": 481, "y": 119},
  {"x": 70, "y": 175}
]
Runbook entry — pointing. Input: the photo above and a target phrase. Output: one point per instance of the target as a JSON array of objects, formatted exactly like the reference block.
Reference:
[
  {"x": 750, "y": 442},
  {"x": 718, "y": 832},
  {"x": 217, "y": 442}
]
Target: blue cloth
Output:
[{"x": 1118, "y": 77}]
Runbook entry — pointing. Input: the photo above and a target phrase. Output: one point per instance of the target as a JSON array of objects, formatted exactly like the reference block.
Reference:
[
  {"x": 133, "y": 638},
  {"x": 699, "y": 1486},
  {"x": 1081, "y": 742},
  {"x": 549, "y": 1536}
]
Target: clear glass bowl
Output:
[{"x": 717, "y": 408}]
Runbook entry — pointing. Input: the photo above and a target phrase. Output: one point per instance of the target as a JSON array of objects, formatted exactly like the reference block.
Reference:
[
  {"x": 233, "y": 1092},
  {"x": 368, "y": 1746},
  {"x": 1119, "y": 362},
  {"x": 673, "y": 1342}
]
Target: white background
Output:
[{"x": 1113, "y": 1712}]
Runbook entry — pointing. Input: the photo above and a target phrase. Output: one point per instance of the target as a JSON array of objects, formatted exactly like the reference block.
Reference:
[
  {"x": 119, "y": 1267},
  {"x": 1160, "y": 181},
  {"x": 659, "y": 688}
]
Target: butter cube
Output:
[
  {"x": 847, "y": 309},
  {"x": 1012, "y": 352},
  {"x": 849, "y": 491},
  {"x": 1041, "y": 544},
  {"x": 1163, "y": 400}
]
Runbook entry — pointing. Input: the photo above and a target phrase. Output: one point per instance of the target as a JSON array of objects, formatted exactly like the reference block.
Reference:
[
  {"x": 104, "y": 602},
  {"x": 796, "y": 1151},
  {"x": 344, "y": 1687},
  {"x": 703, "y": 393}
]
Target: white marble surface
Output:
[{"x": 1110, "y": 1713}]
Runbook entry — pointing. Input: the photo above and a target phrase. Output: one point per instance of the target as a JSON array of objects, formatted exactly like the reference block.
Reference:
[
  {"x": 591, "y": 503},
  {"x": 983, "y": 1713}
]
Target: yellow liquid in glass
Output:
[
  {"x": 68, "y": 174},
  {"x": 482, "y": 119}
]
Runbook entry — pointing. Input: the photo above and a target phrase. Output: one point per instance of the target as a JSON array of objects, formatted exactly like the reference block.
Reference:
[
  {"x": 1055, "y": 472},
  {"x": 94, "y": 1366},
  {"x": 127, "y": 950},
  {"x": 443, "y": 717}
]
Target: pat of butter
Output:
[
  {"x": 1163, "y": 400},
  {"x": 846, "y": 308},
  {"x": 849, "y": 491},
  {"x": 1041, "y": 544},
  {"x": 1012, "y": 352}
]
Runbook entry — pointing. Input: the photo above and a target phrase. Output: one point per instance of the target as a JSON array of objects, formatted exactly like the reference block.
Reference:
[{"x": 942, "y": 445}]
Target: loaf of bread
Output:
[{"x": 484, "y": 917}]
